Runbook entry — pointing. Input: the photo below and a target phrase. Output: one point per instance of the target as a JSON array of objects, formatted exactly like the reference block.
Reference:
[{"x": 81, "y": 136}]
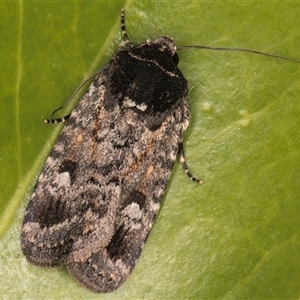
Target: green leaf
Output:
[{"x": 237, "y": 235}]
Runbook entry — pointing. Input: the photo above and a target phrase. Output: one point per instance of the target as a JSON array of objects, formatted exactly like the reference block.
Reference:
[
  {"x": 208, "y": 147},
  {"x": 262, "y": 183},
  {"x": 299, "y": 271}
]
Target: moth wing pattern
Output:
[{"x": 101, "y": 187}]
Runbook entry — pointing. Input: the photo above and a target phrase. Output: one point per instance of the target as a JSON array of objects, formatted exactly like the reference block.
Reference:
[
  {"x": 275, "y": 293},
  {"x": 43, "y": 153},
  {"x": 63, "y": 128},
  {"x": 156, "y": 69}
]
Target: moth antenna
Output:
[
  {"x": 64, "y": 118},
  {"x": 240, "y": 50},
  {"x": 123, "y": 28}
]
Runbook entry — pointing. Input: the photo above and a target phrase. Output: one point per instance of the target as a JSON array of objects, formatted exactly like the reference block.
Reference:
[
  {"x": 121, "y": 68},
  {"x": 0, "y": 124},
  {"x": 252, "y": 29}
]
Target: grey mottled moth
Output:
[{"x": 100, "y": 189}]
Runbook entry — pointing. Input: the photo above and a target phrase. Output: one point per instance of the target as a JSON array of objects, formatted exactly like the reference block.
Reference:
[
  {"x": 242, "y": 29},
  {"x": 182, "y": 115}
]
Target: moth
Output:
[{"x": 100, "y": 189}]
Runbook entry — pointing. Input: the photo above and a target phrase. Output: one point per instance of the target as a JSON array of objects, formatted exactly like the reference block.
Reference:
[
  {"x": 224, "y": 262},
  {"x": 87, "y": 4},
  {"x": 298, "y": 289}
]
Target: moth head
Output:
[{"x": 166, "y": 45}]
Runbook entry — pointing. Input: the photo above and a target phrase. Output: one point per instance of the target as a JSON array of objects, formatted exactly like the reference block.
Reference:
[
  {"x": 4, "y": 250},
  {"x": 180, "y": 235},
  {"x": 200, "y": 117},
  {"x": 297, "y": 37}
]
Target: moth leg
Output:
[
  {"x": 58, "y": 120},
  {"x": 184, "y": 165},
  {"x": 123, "y": 28}
]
